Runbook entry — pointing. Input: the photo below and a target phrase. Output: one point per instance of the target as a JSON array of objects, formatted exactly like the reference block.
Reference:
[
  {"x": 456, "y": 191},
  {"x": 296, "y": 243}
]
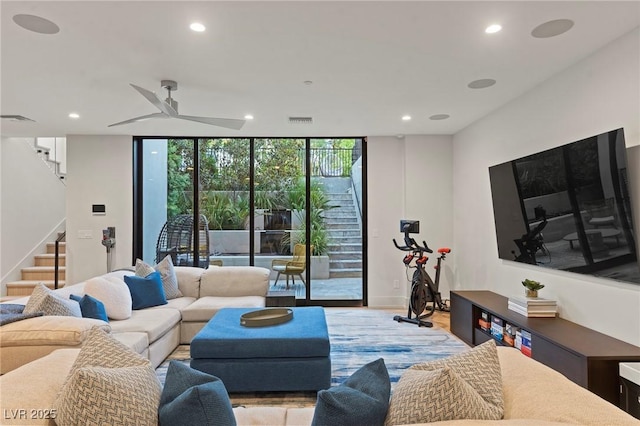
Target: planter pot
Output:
[{"x": 531, "y": 293}]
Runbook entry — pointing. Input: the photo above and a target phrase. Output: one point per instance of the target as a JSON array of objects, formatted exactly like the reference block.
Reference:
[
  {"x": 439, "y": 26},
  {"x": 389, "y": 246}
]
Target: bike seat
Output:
[{"x": 444, "y": 250}]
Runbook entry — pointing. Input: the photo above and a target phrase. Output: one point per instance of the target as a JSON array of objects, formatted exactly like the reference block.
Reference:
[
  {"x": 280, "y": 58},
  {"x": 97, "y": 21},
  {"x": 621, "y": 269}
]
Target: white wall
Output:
[
  {"x": 600, "y": 93},
  {"x": 33, "y": 206},
  {"x": 99, "y": 171},
  {"x": 408, "y": 178}
]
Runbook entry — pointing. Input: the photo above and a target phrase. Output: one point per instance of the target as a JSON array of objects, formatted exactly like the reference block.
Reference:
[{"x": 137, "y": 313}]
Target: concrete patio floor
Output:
[{"x": 325, "y": 289}]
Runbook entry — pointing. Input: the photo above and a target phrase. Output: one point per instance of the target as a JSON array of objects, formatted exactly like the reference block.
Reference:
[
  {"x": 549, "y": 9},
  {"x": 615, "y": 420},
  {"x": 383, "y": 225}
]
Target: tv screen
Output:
[{"x": 568, "y": 208}]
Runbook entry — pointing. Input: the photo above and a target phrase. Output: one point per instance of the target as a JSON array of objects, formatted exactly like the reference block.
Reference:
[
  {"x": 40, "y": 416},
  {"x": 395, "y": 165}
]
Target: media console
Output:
[{"x": 585, "y": 356}]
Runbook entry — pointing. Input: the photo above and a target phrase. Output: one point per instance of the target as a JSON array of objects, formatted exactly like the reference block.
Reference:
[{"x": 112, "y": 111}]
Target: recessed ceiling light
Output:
[
  {"x": 248, "y": 117},
  {"x": 74, "y": 115},
  {"x": 154, "y": 152},
  {"x": 552, "y": 28},
  {"x": 406, "y": 117},
  {"x": 308, "y": 82},
  {"x": 439, "y": 117},
  {"x": 197, "y": 27},
  {"x": 36, "y": 24},
  {"x": 481, "y": 84},
  {"x": 493, "y": 29}
]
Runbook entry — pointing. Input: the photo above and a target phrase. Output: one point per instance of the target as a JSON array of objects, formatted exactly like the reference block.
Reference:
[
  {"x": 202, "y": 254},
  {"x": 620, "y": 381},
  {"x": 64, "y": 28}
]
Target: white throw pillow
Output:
[{"x": 114, "y": 293}]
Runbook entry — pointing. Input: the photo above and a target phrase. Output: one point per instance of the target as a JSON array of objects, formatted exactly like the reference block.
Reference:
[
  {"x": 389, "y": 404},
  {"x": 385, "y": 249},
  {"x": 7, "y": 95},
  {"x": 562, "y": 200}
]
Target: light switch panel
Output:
[{"x": 85, "y": 234}]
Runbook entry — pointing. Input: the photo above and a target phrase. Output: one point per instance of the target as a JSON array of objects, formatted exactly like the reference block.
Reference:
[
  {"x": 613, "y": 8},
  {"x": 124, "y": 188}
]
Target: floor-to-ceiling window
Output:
[{"x": 292, "y": 205}]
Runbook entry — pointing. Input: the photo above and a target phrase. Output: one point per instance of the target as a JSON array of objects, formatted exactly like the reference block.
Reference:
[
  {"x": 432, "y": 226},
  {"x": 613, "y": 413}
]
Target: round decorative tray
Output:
[{"x": 265, "y": 317}]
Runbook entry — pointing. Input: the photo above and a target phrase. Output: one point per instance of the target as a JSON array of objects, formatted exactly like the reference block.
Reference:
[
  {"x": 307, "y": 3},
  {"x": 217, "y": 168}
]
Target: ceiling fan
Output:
[{"x": 169, "y": 109}]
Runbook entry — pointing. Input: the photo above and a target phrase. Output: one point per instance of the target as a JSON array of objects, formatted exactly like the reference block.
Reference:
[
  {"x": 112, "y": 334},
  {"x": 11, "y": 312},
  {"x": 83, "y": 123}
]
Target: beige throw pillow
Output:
[
  {"x": 167, "y": 274},
  {"x": 109, "y": 384},
  {"x": 432, "y": 396},
  {"x": 45, "y": 300},
  {"x": 469, "y": 375}
]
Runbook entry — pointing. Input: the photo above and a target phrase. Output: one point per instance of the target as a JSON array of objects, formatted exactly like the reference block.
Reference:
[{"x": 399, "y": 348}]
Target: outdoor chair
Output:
[{"x": 293, "y": 266}]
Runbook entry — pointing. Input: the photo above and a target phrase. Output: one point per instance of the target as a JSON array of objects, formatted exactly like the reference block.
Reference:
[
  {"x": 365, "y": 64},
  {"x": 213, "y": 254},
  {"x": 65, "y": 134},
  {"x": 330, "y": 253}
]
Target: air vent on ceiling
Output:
[
  {"x": 15, "y": 118},
  {"x": 301, "y": 120}
]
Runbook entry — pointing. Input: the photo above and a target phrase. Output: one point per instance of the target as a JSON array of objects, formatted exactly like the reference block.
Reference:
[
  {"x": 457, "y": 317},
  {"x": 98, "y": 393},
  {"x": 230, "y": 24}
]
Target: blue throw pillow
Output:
[
  {"x": 91, "y": 307},
  {"x": 191, "y": 397},
  {"x": 147, "y": 291},
  {"x": 363, "y": 399}
]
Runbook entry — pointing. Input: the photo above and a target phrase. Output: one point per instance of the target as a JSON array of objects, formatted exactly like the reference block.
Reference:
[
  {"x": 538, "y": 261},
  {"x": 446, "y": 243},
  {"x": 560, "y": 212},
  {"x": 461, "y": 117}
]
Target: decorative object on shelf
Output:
[
  {"x": 532, "y": 287},
  {"x": 533, "y": 306}
]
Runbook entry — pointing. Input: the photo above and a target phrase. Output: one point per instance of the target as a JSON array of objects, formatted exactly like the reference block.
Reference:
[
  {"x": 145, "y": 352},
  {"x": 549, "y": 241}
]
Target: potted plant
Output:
[{"x": 532, "y": 287}]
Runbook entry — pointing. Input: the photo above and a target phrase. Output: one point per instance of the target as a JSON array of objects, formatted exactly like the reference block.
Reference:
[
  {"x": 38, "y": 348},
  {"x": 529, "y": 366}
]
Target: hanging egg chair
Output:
[{"x": 177, "y": 240}]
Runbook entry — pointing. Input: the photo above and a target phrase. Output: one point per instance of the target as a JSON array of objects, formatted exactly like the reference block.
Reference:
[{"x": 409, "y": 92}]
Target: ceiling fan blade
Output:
[
  {"x": 229, "y": 123},
  {"x": 155, "y": 100},
  {"x": 141, "y": 118}
]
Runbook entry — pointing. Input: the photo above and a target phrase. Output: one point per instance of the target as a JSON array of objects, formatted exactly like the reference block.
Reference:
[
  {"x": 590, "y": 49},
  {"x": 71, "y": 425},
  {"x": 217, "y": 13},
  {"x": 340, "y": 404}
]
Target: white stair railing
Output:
[{"x": 53, "y": 152}]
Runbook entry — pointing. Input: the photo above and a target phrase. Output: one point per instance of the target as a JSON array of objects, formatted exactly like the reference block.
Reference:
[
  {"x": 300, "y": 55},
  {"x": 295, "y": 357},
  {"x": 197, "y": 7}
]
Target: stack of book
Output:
[{"x": 533, "y": 306}]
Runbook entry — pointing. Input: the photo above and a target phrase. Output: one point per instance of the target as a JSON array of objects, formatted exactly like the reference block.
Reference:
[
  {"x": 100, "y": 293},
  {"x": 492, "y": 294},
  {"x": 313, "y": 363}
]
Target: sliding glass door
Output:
[{"x": 292, "y": 205}]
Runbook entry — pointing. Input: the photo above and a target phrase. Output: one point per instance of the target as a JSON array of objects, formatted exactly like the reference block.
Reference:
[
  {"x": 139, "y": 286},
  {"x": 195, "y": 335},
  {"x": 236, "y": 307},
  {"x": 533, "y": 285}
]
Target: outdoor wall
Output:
[
  {"x": 99, "y": 171},
  {"x": 408, "y": 178},
  {"x": 598, "y": 94},
  {"x": 33, "y": 206},
  {"x": 154, "y": 195}
]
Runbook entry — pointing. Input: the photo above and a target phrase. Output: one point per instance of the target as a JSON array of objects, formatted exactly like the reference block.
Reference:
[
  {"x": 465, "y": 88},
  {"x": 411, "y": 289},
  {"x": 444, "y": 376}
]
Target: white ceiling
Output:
[{"x": 370, "y": 63}]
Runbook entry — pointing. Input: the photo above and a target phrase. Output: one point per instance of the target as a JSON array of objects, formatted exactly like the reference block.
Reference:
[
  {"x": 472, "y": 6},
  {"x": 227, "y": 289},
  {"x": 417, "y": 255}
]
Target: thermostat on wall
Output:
[{"x": 99, "y": 209}]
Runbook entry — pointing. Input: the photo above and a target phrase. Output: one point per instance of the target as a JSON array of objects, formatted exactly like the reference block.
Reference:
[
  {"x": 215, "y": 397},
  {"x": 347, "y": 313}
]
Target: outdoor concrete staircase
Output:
[
  {"x": 345, "y": 237},
  {"x": 43, "y": 271}
]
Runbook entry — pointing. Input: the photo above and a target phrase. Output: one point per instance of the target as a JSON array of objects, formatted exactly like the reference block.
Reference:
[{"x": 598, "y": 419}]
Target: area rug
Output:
[{"x": 357, "y": 336}]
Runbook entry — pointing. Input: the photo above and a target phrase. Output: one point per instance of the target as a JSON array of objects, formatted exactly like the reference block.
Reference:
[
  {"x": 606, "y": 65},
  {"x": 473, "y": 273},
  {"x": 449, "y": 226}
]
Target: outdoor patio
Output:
[{"x": 325, "y": 289}]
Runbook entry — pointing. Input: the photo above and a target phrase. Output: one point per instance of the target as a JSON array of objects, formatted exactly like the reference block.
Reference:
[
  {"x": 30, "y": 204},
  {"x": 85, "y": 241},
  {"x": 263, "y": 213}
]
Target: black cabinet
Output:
[
  {"x": 630, "y": 388},
  {"x": 585, "y": 356}
]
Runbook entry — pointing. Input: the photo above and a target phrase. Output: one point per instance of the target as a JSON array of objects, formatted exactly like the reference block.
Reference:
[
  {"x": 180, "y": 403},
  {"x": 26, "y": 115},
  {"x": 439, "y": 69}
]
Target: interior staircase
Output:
[
  {"x": 345, "y": 236},
  {"x": 43, "y": 271}
]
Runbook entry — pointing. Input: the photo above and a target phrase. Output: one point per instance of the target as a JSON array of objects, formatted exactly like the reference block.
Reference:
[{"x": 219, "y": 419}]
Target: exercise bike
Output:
[{"x": 425, "y": 294}]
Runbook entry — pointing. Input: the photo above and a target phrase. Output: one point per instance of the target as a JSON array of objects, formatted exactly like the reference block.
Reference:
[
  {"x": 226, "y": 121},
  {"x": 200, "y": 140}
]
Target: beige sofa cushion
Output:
[
  {"x": 234, "y": 281},
  {"x": 206, "y": 307},
  {"x": 34, "y": 387},
  {"x": 179, "y": 303},
  {"x": 49, "y": 330},
  {"x": 189, "y": 280},
  {"x": 138, "y": 341},
  {"x": 534, "y": 391},
  {"x": 154, "y": 322}
]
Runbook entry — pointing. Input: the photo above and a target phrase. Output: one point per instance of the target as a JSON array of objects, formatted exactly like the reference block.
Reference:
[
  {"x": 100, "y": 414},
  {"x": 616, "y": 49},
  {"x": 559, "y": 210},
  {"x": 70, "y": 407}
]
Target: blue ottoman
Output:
[{"x": 293, "y": 356}]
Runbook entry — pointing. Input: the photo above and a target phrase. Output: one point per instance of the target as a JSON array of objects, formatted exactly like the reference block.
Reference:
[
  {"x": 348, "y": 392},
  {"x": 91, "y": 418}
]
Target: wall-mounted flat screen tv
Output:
[{"x": 569, "y": 208}]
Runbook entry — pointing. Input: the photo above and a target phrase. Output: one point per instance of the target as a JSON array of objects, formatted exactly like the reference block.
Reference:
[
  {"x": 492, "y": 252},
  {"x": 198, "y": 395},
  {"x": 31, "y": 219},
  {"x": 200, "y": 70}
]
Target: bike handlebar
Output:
[{"x": 411, "y": 245}]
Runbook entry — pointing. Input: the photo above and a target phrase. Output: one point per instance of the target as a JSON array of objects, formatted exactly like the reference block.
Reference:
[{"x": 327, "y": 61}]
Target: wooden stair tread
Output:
[
  {"x": 43, "y": 268},
  {"x": 27, "y": 283}
]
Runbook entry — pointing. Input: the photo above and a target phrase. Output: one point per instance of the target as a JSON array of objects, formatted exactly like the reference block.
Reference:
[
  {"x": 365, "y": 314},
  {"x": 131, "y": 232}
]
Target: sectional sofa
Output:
[
  {"x": 38, "y": 365},
  {"x": 152, "y": 332}
]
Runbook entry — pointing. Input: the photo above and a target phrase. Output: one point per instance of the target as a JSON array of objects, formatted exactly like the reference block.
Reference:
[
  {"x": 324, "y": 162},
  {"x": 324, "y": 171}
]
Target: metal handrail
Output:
[{"x": 56, "y": 259}]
